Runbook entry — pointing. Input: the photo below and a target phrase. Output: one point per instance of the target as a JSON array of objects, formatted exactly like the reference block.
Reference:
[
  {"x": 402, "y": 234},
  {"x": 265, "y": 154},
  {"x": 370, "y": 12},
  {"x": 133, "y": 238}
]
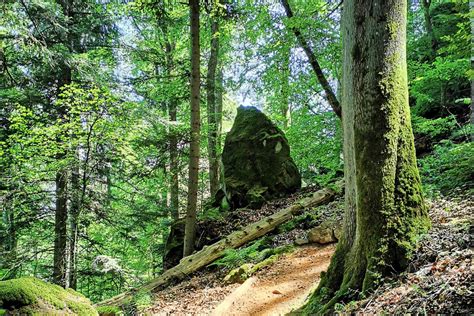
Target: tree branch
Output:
[{"x": 330, "y": 96}]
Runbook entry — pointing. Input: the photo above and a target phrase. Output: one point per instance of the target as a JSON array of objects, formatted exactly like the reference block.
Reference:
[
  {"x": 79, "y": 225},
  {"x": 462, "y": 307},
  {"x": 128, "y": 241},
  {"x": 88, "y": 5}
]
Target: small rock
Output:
[
  {"x": 321, "y": 235},
  {"x": 276, "y": 292},
  {"x": 301, "y": 241}
]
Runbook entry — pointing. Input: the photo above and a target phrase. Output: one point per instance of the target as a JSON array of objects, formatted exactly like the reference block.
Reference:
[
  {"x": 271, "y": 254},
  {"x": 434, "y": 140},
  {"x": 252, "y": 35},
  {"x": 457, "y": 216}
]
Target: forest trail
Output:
[
  {"x": 280, "y": 288},
  {"x": 274, "y": 290}
]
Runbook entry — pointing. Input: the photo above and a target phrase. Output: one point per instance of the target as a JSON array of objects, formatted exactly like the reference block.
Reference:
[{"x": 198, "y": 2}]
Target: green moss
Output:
[
  {"x": 29, "y": 295},
  {"x": 109, "y": 311},
  {"x": 142, "y": 299},
  {"x": 265, "y": 263}
]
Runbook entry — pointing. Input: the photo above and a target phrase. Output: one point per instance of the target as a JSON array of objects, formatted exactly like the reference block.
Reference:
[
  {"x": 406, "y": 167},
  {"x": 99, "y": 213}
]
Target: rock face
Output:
[
  {"x": 31, "y": 296},
  {"x": 257, "y": 161}
]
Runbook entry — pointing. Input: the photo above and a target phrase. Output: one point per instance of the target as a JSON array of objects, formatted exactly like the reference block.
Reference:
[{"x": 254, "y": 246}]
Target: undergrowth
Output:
[{"x": 257, "y": 251}]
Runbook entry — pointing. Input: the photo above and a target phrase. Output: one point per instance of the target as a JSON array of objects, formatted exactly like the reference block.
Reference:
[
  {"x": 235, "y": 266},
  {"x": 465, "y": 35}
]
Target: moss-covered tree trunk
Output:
[{"x": 384, "y": 206}]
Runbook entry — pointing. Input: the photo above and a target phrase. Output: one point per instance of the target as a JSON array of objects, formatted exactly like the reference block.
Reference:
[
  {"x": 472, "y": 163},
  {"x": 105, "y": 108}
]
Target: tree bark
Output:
[
  {"x": 330, "y": 96},
  {"x": 236, "y": 239},
  {"x": 61, "y": 214},
  {"x": 285, "y": 88},
  {"x": 74, "y": 224},
  {"x": 211, "y": 108},
  {"x": 60, "y": 231},
  {"x": 384, "y": 208},
  {"x": 190, "y": 226},
  {"x": 219, "y": 107},
  {"x": 471, "y": 7},
  {"x": 429, "y": 26},
  {"x": 172, "y": 112}
]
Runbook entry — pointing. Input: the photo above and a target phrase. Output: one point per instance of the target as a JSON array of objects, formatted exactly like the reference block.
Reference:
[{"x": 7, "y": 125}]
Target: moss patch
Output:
[
  {"x": 32, "y": 296},
  {"x": 109, "y": 311}
]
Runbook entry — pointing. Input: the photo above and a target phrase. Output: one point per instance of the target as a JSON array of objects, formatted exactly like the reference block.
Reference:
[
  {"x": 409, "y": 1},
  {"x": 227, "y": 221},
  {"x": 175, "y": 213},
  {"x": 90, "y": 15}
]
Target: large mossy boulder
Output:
[
  {"x": 257, "y": 162},
  {"x": 31, "y": 296}
]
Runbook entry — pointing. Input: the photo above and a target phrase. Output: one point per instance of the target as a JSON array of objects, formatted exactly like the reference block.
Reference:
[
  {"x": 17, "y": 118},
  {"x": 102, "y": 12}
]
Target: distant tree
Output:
[
  {"x": 191, "y": 210},
  {"x": 384, "y": 208}
]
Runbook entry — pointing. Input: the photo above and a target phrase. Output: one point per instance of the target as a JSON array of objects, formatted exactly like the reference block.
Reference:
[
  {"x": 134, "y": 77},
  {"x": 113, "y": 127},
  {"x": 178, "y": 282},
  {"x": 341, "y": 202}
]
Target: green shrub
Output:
[
  {"x": 450, "y": 167},
  {"x": 433, "y": 128}
]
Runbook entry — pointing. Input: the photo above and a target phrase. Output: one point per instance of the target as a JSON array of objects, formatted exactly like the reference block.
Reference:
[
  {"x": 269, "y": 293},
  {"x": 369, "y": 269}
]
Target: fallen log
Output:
[{"x": 236, "y": 239}]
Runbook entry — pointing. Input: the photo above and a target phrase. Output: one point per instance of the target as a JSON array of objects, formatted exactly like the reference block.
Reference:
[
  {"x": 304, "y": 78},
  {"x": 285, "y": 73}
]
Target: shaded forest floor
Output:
[{"x": 439, "y": 279}]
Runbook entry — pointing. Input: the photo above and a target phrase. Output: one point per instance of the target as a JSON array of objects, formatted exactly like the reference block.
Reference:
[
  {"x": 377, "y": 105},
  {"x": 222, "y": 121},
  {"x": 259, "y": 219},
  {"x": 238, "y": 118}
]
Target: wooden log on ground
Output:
[{"x": 236, "y": 239}]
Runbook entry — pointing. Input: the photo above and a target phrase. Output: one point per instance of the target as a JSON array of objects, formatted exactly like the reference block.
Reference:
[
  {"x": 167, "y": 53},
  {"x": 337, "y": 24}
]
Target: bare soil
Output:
[
  {"x": 281, "y": 287},
  {"x": 274, "y": 290}
]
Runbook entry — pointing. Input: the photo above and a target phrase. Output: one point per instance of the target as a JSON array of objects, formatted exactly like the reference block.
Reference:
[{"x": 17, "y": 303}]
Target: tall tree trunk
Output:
[
  {"x": 429, "y": 26},
  {"x": 219, "y": 106},
  {"x": 74, "y": 225},
  {"x": 384, "y": 211},
  {"x": 61, "y": 213},
  {"x": 174, "y": 163},
  {"x": 330, "y": 96},
  {"x": 285, "y": 88},
  {"x": 10, "y": 247},
  {"x": 190, "y": 226},
  {"x": 211, "y": 108},
  {"x": 173, "y": 149},
  {"x": 471, "y": 7},
  {"x": 60, "y": 231}
]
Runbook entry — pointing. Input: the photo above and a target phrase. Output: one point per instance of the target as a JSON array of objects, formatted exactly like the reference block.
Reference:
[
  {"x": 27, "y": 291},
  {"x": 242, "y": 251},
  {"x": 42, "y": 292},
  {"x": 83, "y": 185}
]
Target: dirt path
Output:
[
  {"x": 281, "y": 287},
  {"x": 275, "y": 290}
]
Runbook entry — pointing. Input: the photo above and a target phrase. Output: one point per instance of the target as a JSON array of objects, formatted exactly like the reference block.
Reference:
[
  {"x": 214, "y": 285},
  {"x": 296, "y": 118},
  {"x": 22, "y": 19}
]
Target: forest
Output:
[{"x": 236, "y": 157}]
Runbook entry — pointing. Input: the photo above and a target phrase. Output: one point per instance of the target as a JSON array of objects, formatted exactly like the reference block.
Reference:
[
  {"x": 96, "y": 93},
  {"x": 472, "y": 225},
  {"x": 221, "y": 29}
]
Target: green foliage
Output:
[
  {"x": 316, "y": 146},
  {"x": 142, "y": 299},
  {"x": 450, "y": 167},
  {"x": 211, "y": 213},
  {"x": 435, "y": 129},
  {"x": 437, "y": 86},
  {"x": 109, "y": 311}
]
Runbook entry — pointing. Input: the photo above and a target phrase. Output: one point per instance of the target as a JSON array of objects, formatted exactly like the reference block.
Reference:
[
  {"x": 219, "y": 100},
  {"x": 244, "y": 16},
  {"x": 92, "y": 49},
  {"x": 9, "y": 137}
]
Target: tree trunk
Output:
[
  {"x": 74, "y": 225},
  {"x": 60, "y": 231},
  {"x": 384, "y": 211},
  {"x": 211, "y": 108},
  {"x": 285, "y": 89},
  {"x": 330, "y": 96},
  {"x": 173, "y": 149},
  {"x": 219, "y": 107},
  {"x": 174, "y": 164},
  {"x": 60, "y": 221},
  {"x": 471, "y": 7},
  {"x": 429, "y": 26},
  {"x": 190, "y": 227}
]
